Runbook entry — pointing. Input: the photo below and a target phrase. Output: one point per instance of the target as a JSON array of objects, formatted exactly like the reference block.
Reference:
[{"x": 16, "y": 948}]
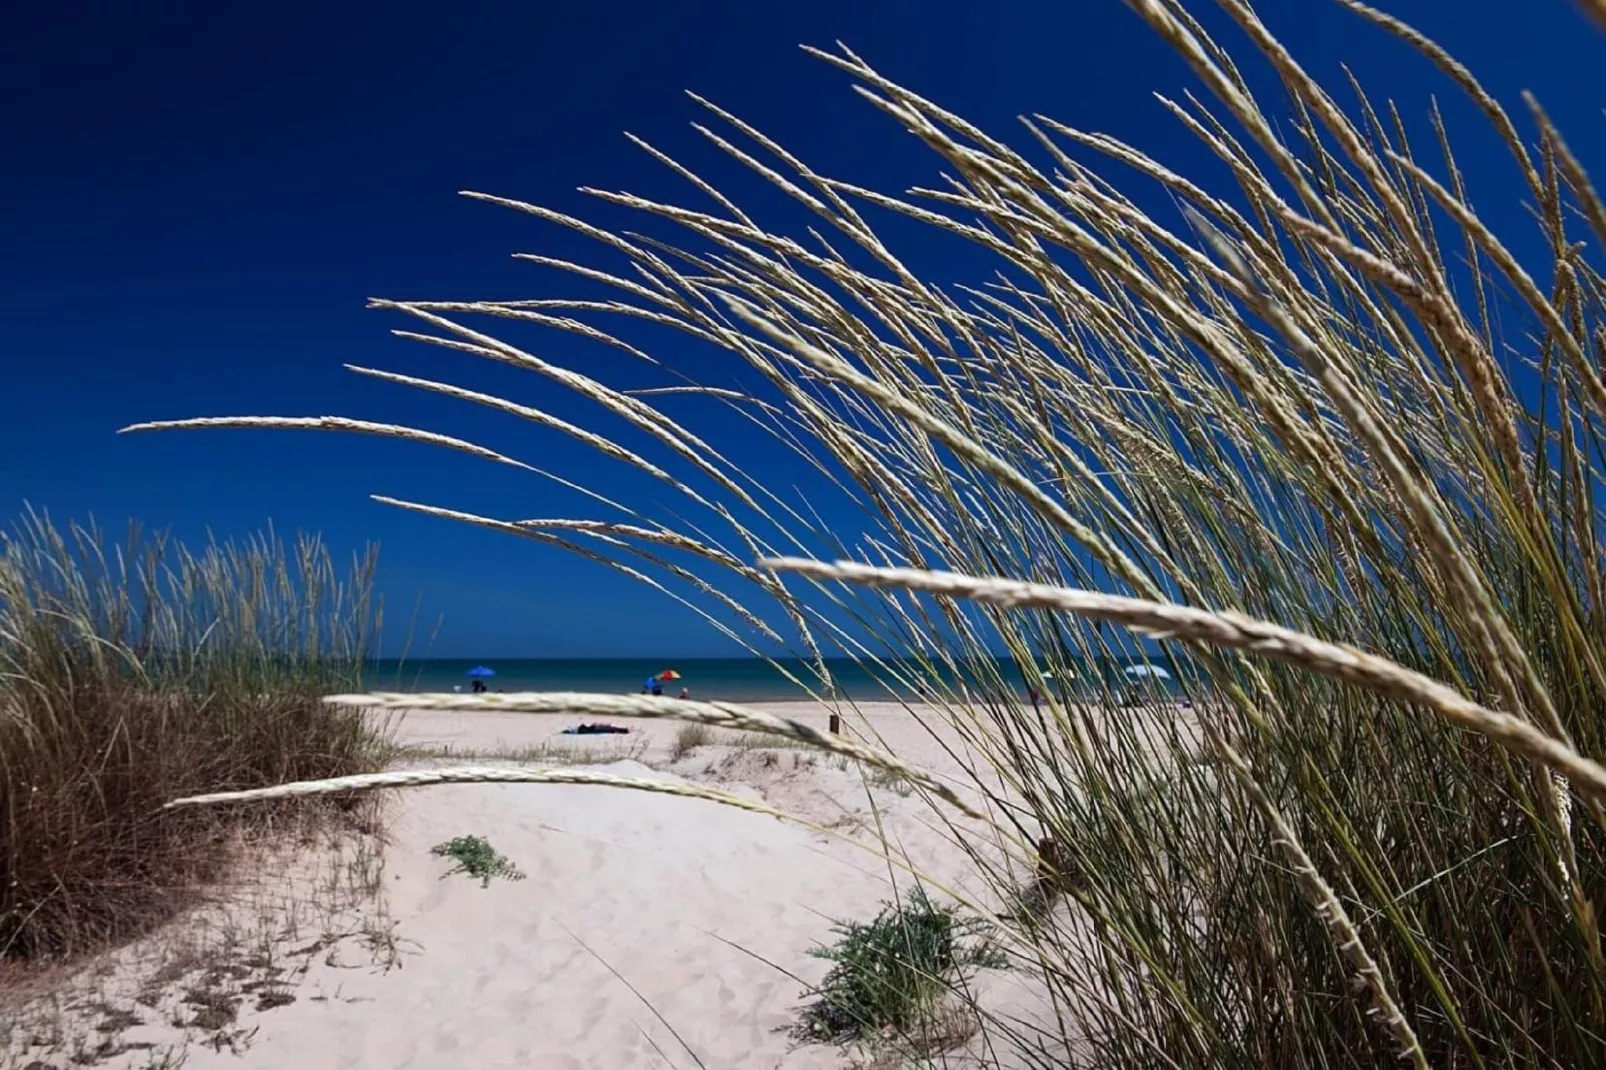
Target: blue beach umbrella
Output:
[{"x": 480, "y": 670}]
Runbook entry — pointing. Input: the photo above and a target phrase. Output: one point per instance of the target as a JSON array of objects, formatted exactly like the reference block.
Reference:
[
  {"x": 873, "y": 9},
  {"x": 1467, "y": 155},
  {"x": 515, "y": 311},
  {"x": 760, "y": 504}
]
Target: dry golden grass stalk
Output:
[
  {"x": 1238, "y": 632},
  {"x": 414, "y": 778},
  {"x": 1330, "y": 908},
  {"x": 331, "y": 423},
  {"x": 717, "y": 714}
]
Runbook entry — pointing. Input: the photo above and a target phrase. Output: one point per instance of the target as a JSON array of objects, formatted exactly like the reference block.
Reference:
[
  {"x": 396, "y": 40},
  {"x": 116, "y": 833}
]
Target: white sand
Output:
[
  {"x": 701, "y": 909},
  {"x": 499, "y": 976}
]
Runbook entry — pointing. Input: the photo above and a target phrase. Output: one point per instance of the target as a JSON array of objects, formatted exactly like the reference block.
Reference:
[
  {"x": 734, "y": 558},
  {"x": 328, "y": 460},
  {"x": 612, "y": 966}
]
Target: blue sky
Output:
[{"x": 197, "y": 199}]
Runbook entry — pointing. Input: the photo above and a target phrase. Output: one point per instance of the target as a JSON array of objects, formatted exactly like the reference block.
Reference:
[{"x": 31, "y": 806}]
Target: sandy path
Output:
[
  {"x": 701, "y": 909},
  {"x": 657, "y": 888}
]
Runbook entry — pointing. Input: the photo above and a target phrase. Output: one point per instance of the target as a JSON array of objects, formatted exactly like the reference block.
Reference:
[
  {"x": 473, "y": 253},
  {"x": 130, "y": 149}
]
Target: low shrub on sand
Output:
[
  {"x": 889, "y": 976},
  {"x": 475, "y": 856},
  {"x": 130, "y": 674}
]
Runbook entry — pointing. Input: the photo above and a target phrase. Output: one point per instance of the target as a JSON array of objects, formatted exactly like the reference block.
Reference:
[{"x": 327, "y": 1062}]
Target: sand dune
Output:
[
  {"x": 649, "y": 931},
  {"x": 658, "y": 889}
]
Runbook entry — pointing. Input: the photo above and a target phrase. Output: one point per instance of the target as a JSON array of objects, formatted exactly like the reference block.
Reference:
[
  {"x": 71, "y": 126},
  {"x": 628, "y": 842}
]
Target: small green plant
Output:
[
  {"x": 888, "y": 976},
  {"x": 475, "y": 856}
]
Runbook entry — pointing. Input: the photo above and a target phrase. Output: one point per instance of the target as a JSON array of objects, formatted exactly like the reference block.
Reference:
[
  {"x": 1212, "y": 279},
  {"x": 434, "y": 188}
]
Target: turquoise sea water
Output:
[{"x": 730, "y": 679}]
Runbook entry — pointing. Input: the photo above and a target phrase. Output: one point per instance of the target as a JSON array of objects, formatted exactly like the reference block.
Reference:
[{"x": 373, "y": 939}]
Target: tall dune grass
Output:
[
  {"x": 1328, "y": 397},
  {"x": 132, "y": 671}
]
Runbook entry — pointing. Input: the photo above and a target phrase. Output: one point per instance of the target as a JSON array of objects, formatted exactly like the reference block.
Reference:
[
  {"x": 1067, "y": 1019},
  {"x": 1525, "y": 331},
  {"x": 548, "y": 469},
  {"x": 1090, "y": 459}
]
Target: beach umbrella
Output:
[
  {"x": 669, "y": 674},
  {"x": 1148, "y": 670},
  {"x": 480, "y": 670}
]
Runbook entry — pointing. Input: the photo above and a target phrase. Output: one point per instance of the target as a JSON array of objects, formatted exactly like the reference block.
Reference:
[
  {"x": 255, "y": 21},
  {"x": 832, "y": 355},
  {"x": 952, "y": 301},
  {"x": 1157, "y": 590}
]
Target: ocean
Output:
[{"x": 728, "y": 679}]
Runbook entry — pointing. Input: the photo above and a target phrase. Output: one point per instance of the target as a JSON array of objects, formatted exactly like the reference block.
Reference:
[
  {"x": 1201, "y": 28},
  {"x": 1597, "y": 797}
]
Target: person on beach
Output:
[
  {"x": 685, "y": 692},
  {"x": 657, "y": 686}
]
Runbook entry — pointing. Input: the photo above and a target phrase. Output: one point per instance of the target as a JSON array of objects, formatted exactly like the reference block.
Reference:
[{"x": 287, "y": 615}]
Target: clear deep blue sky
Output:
[{"x": 196, "y": 199}]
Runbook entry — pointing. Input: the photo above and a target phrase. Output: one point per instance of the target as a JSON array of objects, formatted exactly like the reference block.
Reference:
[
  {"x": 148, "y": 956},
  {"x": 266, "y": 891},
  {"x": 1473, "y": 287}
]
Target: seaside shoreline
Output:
[{"x": 746, "y": 679}]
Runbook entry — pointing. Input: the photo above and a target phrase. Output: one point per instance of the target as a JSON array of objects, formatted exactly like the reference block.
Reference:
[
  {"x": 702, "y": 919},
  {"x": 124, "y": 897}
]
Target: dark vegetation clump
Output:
[
  {"x": 475, "y": 856},
  {"x": 134, "y": 674},
  {"x": 888, "y": 976}
]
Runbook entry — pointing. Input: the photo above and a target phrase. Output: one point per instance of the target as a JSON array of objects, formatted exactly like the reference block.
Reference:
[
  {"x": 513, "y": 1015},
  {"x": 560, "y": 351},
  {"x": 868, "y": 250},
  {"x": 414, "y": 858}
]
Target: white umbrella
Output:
[{"x": 1148, "y": 670}]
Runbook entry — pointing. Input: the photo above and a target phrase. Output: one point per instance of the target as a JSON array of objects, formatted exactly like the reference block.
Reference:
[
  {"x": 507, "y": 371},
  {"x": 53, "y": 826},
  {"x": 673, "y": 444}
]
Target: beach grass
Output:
[
  {"x": 545, "y": 753},
  {"x": 1316, "y": 436},
  {"x": 688, "y": 738},
  {"x": 133, "y": 670}
]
